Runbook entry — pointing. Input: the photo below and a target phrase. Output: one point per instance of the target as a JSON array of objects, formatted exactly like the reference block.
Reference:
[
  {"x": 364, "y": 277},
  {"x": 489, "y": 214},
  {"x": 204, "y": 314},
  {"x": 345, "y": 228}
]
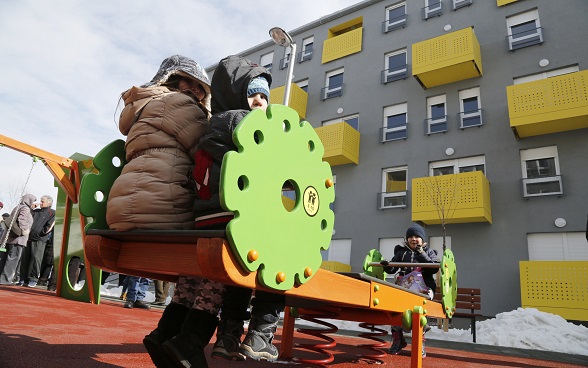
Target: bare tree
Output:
[{"x": 443, "y": 192}]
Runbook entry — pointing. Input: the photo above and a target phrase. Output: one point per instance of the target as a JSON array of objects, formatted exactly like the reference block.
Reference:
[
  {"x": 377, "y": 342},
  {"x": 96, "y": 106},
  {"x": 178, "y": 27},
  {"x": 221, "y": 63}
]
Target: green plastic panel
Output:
[
  {"x": 275, "y": 149},
  {"x": 448, "y": 282},
  {"x": 375, "y": 271},
  {"x": 95, "y": 188}
]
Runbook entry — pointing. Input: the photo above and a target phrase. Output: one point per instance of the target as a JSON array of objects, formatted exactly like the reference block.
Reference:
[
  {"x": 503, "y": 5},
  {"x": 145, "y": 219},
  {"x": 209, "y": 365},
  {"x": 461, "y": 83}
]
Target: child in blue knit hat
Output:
[{"x": 413, "y": 250}]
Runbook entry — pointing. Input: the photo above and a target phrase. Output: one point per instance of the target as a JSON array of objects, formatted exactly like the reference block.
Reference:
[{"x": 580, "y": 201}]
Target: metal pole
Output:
[{"x": 290, "y": 74}]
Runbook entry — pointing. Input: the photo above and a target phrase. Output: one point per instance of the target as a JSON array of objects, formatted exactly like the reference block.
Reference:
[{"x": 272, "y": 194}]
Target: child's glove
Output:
[
  {"x": 419, "y": 249},
  {"x": 384, "y": 263}
]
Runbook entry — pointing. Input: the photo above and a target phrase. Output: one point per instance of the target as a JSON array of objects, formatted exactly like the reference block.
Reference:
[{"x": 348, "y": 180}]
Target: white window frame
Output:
[
  {"x": 458, "y": 163},
  {"x": 431, "y": 101},
  {"x": 303, "y": 83},
  {"x": 538, "y": 154},
  {"x": 343, "y": 119},
  {"x": 327, "y": 89},
  {"x": 386, "y": 249},
  {"x": 429, "y": 12},
  {"x": 515, "y": 20},
  {"x": 463, "y": 95},
  {"x": 286, "y": 60},
  {"x": 387, "y": 73},
  {"x": 266, "y": 60},
  {"x": 397, "y": 109},
  {"x": 304, "y": 55},
  {"x": 436, "y": 243},
  {"x": 339, "y": 251},
  {"x": 461, "y": 3},
  {"x": 395, "y": 24},
  {"x": 399, "y": 194},
  {"x": 547, "y": 74}
]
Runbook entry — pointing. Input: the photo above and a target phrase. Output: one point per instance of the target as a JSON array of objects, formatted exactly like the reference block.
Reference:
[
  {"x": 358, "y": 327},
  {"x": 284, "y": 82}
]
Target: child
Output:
[
  {"x": 238, "y": 85},
  {"x": 414, "y": 250}
]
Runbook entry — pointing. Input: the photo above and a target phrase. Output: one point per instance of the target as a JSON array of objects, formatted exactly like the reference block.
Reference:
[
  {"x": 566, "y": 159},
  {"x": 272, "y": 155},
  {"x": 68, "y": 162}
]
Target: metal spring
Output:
[
  {"x": 379, "y": 354},
  {"x": 320, "y": 333}
]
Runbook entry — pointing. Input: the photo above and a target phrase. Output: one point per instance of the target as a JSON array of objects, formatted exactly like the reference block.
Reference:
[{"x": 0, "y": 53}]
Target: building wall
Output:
[{"x": 487, "y": 255}]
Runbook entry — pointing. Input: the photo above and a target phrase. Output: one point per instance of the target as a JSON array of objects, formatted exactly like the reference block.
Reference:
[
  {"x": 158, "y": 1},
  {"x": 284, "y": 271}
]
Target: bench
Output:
[{"x": 467, "y": 302}]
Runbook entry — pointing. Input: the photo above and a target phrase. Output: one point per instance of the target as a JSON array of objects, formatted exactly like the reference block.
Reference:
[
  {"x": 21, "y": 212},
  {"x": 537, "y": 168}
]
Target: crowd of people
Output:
[
  {"x": 178, "y": 127},
  {"x": 26, "y": 237}
]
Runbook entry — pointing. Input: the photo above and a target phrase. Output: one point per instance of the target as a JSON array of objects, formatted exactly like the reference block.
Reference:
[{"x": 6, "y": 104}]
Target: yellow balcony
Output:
[
  {"x": 557, "y": 287},
  {"x": 459, "y": 198},
  {"x": 341, "y": 142},
  {"x": 504, "y": 2},
  {"x": 550, "y": 105},
  {"x": 345, "y": 39},
  {"x": 446, "y": 59},
  {"x": 298, "y": 98},
  {"x": 335, "y": 266}
]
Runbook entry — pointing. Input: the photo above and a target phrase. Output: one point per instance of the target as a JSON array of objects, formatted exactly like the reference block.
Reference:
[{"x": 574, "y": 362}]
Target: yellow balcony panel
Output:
[
  {"x": 504, "y": 2},
  {"x": 341, "y": 142},
  {"x": 557, "y": 287},
  {"x": 446, "y": 59},
  {"x": 298, "y": 98},
  {"x": 550, "y": 105},
  {"x": 343, "y": 45},
  {"x": 335, "y": 266},
  {"x": 462, "y": 198}
]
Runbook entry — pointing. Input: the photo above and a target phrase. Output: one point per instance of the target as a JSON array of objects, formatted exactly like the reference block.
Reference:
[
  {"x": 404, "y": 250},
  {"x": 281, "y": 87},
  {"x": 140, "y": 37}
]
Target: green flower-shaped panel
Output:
[{"x": 275, "y": 150}]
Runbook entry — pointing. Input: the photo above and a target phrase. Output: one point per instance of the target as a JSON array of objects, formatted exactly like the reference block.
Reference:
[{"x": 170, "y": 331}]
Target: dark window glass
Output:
[{"x": 438, "y": 111}]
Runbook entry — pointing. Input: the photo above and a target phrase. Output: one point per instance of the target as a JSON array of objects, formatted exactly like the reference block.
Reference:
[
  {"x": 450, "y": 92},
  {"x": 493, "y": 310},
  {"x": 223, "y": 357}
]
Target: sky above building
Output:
[{"x": 65, "y": 63}]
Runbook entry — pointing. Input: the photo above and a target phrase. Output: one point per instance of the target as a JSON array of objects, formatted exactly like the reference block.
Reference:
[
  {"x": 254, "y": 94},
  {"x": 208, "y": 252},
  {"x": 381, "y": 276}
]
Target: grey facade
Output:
[{"x": 487, "y": 254}]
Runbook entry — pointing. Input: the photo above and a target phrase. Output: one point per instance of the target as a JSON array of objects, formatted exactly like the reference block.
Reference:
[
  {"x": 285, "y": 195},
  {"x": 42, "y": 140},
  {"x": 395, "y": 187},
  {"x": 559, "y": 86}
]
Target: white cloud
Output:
[{"x": 64, "y": 64}]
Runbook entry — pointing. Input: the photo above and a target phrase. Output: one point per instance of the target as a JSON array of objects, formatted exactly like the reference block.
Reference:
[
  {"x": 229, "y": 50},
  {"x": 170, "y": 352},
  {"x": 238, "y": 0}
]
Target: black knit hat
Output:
[{"x": 417, "y": 230}]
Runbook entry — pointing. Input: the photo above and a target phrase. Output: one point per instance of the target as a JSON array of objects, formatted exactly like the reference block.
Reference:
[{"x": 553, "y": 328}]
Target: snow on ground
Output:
[{"x": 523, "y": 328}]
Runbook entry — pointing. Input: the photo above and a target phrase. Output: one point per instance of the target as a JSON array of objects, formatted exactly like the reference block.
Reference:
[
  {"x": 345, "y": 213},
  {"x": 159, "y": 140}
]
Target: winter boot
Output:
[
  {"x": 169, "y": 325},
  {"x": 186, "y": 349},
  {"x": 228, "y": 339},
  {"x": 257, "y": 344},
  {"x": 398, "y": 342}
]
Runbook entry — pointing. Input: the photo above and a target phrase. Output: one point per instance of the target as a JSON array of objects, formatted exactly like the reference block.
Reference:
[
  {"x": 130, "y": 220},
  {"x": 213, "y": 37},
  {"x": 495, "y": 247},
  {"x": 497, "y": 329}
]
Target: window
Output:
[
  {"x": 395, "y": 66},
  {"x": 436, "y": 115},
  {"x": 286, "y": 60},
  {"x": 567, "y": 246},
  {"x": 470, "y": 112},
  {"x": 332, "y": 205},
  {"x": 334, "y": 84},
  {"x": 461, "y": 3},
  {"x": 395, "y": 121},
  {"x": 395, "y": 17},
  {"x": 303, "y": 84},
  {"x": 387, "y": 246},
  {"x": 433, "y": 8},
  {"x": 267, "y": 60},
  {"x": 352, "y": 120},
  {"x": 540, "y": 169},
  {"x": 524, "y": 30},
  {"x": 307, "y": 47},
  {"x": 547, "y": 74},
  {"x": 458, "y": 165},
  {"x": 393, "y": 188},
  {"x": 339, "y": 251}
]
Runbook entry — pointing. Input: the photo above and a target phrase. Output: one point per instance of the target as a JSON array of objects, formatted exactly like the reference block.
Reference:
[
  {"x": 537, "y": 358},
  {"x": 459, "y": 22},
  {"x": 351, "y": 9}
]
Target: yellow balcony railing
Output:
[
  {"x": 340, "y": 46},
  {"x": 458, "y": 198},
  {"x": 557, "y": 287},
  {"x": 504, "y": 2},
  {"x": 335, "y": 266},
  {"x": 341, "y": 142},
  {"x": 446, "y": 59},
  {"x": 550, "y": 105},
  {"x": 298, "y": 98}
]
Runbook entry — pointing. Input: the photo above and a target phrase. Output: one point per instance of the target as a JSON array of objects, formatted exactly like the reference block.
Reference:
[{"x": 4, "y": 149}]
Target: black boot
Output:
[
  {"x": 258, "y": 344},
  {"x": 169, "y": 326},
  {"x": 186, "y": 349},
  {"x": 228, "y": 340}
]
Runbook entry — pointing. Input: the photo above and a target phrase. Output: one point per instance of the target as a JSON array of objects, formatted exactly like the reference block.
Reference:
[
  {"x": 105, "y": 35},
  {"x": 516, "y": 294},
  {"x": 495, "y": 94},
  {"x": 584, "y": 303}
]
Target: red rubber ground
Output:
[{"x": 38, "y": 329}]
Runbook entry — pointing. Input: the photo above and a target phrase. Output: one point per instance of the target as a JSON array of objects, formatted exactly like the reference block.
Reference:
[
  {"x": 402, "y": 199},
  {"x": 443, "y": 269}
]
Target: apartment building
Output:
[{"x": 484, "y": 102}]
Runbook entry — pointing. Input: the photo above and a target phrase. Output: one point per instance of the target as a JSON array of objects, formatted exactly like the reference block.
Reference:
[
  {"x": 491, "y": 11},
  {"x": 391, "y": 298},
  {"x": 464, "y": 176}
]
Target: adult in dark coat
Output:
[{"x": 43, "y": 222}]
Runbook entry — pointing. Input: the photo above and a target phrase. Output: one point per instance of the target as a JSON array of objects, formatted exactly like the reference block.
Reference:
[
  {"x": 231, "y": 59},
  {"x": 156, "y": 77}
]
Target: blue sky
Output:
[{"x": 64, "y": 64}]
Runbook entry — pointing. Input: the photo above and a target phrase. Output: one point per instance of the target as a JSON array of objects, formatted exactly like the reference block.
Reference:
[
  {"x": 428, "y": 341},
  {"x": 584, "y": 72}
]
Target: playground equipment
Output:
[
  {"x": 67, "y": 173},
  {"x": 267, "y": 246}
]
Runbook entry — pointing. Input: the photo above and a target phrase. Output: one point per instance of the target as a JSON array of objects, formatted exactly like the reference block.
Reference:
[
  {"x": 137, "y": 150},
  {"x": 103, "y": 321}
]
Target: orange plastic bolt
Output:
[
  {"x": 329, "y": 183},
  {"x": 280, "y": 277},
  {"x": 252, "y": 255},
  {"x": 307, "y": 272}
]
